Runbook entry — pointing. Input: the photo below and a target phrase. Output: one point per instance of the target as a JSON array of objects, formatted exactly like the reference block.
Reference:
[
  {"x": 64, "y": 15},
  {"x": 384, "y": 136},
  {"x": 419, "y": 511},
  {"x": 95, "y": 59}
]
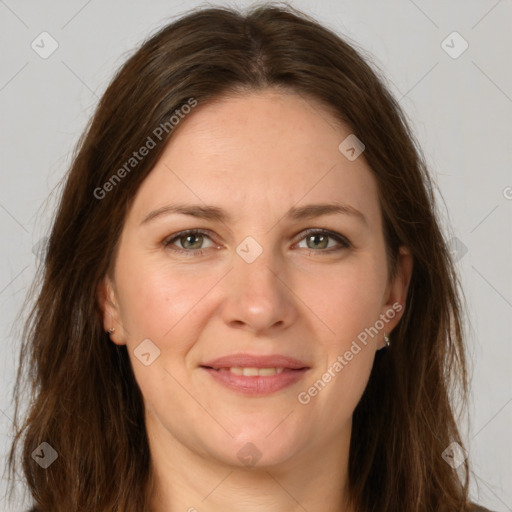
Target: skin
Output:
[{"x": 256, "y": 156}]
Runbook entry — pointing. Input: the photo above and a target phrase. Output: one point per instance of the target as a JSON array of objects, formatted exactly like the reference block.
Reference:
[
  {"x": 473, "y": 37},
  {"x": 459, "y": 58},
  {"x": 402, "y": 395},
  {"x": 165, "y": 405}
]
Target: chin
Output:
[{"x": 257, "y": 450}]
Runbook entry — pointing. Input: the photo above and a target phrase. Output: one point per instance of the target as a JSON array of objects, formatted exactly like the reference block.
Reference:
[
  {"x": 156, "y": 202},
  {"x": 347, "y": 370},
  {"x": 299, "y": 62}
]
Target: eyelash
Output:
[{"x": 344, "y": 242}]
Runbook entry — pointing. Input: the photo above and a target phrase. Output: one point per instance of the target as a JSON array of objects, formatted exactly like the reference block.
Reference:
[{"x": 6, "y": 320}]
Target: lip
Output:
[
  {"x": 293, "y": 371},
  {"x": 250, "y": 361}
]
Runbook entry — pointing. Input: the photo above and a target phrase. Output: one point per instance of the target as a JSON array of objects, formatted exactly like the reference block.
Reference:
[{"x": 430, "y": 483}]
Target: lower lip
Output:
[{"x": 258, "y": 385}]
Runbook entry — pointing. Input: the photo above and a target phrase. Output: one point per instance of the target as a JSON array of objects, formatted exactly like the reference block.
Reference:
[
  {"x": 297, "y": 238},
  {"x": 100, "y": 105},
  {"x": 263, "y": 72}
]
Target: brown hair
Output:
[{"x": 84, "y": 400}]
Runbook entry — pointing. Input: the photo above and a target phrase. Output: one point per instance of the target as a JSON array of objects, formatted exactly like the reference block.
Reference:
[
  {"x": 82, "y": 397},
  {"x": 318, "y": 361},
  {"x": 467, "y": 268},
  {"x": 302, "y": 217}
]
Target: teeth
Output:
[{"x": 254, "y": 372}]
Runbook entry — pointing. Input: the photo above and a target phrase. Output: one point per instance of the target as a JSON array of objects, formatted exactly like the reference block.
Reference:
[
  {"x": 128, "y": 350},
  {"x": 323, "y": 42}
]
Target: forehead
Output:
[{"x": 259, "y": 152}]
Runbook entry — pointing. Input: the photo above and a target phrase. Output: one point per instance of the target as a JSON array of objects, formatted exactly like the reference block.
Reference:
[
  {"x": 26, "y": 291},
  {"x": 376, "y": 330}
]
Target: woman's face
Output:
[{"x": 252, "y": 174}]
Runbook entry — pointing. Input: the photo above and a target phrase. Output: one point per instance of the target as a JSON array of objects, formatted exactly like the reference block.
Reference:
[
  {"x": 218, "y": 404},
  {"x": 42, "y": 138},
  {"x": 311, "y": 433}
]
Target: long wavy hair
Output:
[{"x": 82, "y": 396}]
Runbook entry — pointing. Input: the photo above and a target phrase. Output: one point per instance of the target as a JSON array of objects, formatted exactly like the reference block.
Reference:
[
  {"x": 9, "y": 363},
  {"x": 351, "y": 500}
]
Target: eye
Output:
[
  {"x": 320, "y": 240},
  {"x": 189, "y": 241}
]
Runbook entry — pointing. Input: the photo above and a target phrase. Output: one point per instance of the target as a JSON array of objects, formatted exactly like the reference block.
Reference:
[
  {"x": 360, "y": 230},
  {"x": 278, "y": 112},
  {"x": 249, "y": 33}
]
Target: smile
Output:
[
  {"x": 252, "y": 372},
  {"x": 255, "y": 381}
]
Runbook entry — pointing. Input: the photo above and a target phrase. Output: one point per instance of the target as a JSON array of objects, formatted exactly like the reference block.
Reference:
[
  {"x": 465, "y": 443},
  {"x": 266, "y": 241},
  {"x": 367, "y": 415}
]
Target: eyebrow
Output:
[{"x": 218, "y": 214}]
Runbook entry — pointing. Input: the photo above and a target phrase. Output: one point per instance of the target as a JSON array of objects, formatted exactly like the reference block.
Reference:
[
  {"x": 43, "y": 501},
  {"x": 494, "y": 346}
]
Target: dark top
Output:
[{"x": 475, "y": 508}]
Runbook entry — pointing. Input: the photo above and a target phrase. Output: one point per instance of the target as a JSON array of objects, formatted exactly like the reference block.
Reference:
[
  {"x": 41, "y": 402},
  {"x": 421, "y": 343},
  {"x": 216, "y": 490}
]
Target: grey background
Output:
[{"x": 460, "y": 110}]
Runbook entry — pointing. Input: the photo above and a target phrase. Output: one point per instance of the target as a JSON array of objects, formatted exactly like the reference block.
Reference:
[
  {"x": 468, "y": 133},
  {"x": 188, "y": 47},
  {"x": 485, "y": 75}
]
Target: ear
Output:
[
  {"x": 394, "y": 306},
  {"x": 109, "y": 305}
]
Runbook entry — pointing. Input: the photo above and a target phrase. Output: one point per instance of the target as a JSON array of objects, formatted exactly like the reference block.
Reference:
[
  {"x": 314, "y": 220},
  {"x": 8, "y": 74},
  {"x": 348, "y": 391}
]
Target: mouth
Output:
[
  {"x": 256, "y": 375},
  {"x": 253, "y": 372},
  {"x": 259, "y": 362}
]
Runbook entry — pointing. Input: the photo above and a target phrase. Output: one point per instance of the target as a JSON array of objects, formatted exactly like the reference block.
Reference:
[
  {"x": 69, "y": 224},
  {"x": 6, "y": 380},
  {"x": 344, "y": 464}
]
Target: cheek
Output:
[
  {"x": 162, "y": 304},
  {"x": 159, "y": 301},
  {"x": 352, "y": 305},
  {"x": 347, "y": 301},
  {"x": 146, "y": 297}
]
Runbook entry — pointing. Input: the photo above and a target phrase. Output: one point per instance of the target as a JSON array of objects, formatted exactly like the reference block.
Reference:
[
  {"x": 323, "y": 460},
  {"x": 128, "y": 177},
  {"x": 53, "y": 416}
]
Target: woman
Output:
[{"x": 247, "y": 302}]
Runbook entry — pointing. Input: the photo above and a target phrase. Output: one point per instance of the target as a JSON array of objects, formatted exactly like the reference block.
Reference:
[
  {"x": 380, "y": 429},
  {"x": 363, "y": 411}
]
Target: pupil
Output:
[
  {"x": 322, "y": 243},
  {"x": 188, "y": 238}
]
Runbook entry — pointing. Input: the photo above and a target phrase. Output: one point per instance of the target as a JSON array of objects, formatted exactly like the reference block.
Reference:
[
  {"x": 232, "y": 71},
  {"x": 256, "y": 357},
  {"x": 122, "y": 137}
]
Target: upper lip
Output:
[{"x": 251, "y": 361}]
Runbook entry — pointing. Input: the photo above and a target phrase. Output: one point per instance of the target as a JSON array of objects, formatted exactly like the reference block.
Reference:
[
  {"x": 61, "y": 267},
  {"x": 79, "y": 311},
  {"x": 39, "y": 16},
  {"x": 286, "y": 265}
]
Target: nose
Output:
[{"x": 258, "y": 297}]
